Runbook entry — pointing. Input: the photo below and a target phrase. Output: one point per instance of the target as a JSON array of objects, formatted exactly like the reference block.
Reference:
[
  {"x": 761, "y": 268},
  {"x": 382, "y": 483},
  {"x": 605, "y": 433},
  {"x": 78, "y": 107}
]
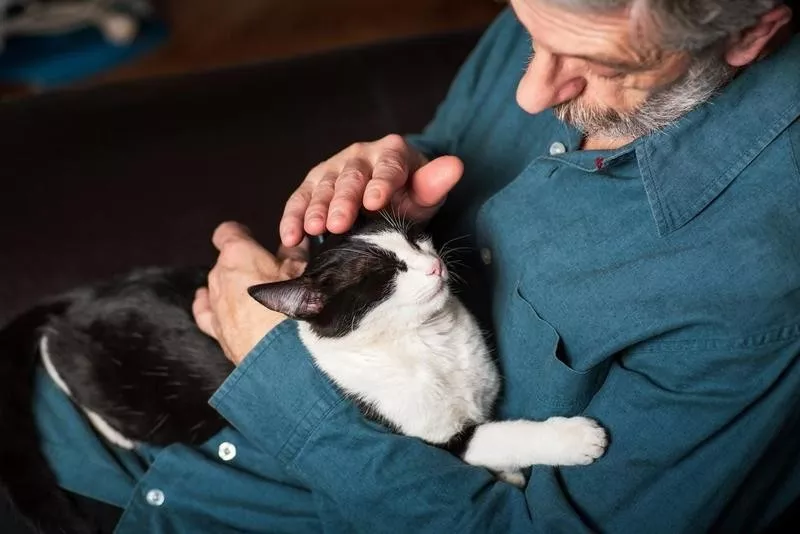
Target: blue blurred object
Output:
[{"x": 52, "y": 60}]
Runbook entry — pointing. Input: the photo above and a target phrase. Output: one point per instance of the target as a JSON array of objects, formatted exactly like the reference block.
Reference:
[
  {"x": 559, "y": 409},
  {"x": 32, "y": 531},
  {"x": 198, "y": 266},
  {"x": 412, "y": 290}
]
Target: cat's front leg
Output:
[
  {"x": 515, "y": 478},
  {"x": 512, "y": 445}
]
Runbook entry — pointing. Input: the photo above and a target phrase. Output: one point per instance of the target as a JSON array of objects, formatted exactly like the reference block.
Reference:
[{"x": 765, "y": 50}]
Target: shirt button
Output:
[
  {"x": 155, "y": 497},
  {"x": 486, "y": 256},
  {"x": 227, "y": 451},
  {"x": 557, "y": 148}
]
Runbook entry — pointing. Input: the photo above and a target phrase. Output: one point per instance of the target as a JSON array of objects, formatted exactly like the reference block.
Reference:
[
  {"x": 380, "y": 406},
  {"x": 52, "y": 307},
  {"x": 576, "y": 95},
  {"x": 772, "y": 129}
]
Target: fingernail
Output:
[
  {"x": 337, "y": 214},
  {"x": 373, "y": 194}
]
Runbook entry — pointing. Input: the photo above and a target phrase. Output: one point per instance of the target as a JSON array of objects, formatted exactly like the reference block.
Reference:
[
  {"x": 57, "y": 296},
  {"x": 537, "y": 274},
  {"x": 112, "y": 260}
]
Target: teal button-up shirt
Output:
[{"x": 655, "y": 288}]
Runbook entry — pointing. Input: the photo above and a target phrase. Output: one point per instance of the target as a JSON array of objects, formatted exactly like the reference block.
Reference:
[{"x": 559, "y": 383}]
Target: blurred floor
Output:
[{"x": 208, "y": 34}]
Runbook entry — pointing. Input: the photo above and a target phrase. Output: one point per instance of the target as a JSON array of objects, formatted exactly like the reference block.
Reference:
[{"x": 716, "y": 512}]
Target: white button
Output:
[
  {"x": 227, "y": 451},
  {"x": 557, "y": 148},
  {"x": 486, "y": 256},
  {"x": 155, "y": 497}
]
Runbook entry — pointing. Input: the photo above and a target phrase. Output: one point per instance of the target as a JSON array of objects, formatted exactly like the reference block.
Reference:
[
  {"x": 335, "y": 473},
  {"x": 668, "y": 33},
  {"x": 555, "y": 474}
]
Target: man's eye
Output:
[{"x": 609, "y": 74}]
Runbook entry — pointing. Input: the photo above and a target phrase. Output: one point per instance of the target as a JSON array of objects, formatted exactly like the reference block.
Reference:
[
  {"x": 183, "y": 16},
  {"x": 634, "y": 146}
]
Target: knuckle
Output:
[
  {"x": 392, "y": 163},
  {"x": 227, "y": 226},
  {"x": 329, "y": 179},
  {"x": 320, "y": 168},
  {"x": 316, "y": 212},
  {"x": 232, "y": 251},
  {"x": 292, "y": 268},
  {"x": 394, "y": 142},
  {"x": 324, "y": 189},
  {"x": 347, "y": 196},
  {"x": 298, "y": 199},
  {"x": 353, "y": 175},
  {"x": 357, "y": 148}
]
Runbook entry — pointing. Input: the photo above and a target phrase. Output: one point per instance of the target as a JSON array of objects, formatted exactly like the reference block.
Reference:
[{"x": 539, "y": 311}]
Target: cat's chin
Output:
[
  {"x": 441, "y": 290},
  {"x": 437, "y": 300}
]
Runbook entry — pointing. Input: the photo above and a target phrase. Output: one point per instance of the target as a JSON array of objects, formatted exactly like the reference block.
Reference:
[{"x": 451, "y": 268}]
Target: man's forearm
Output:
[{"x": 378, "y": 480}]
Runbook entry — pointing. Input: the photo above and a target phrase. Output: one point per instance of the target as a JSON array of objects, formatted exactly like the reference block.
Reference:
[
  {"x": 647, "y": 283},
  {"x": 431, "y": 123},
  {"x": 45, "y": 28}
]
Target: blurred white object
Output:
[{"x": 118, "y": 20}]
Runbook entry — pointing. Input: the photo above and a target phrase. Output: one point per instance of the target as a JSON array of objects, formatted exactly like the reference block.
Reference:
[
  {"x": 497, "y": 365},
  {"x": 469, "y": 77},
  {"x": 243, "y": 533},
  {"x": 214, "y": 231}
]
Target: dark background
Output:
[{"x": 95, "y": 182}]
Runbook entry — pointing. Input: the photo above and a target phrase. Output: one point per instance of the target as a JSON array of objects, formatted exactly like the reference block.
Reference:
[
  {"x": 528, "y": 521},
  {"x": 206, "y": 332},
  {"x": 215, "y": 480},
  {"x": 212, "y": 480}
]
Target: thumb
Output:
[
  {"x": 429, "y": 186},
  {"x": 296, "y": 253},
  {"x": 293, "y": 260},
  {"x": 203, "y": 314}
]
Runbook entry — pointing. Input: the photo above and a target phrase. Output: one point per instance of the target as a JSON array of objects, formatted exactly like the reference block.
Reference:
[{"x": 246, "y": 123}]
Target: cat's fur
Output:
[
  {"x": 375, "y": 311},
  {"x": 128, "y": 352},
  {"x": 378, "y": 317}
]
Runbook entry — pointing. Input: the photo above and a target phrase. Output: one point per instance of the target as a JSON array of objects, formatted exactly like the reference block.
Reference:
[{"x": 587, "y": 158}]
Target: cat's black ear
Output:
[{"x": 294, "y": 298}]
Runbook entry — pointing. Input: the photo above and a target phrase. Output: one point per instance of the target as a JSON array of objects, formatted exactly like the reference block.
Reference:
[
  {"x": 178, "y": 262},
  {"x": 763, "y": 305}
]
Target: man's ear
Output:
[
  {"x": 755, "y": 41},
  {"x": 294, "y": 298}
]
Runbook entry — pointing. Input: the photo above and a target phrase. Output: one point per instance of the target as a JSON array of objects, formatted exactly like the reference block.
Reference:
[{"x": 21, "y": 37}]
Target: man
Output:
[{"x": 631, "y": 192}]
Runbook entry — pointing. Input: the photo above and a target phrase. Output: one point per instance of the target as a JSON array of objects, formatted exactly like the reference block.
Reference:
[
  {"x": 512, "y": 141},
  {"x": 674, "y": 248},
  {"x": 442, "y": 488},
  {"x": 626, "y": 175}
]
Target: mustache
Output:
[{"x": 703, "y": 79}]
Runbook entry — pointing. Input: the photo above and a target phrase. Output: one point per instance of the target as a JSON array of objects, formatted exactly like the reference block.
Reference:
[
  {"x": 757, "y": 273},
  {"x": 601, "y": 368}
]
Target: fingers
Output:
[
  {"x": 298, "y": 253},
  {"x": 390, "y": 172},
  {"x": 229, "y": 231},
  {"x": 203, "y": 315},
  {"x": 293, "y": 260},
  {"x": 348, "y": 195},
  {"x": 333, "y": 193},
  {"x": 239, "y": 251},
  {"x": 294, "y": 215},
  {"x": 316, "y": 216},
  {"x": 428, "y": 188},
  {"x": 430, "y": 185}
]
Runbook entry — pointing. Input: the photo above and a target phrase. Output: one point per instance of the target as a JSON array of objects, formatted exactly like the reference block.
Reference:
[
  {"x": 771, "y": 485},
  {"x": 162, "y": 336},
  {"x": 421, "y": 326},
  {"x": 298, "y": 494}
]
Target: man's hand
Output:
[
  {"x": 375, "y": 175},
  {"x": 224, "y": 310}
]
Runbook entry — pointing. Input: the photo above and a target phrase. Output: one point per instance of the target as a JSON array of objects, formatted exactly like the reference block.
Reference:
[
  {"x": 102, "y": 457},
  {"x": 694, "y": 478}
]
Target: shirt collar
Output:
[{"x": 687, "y": 166}]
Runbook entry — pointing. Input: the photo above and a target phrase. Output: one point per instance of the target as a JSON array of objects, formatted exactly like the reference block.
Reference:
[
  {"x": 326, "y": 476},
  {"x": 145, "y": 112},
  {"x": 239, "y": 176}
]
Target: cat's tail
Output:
[{"x": 27, "y": 483}]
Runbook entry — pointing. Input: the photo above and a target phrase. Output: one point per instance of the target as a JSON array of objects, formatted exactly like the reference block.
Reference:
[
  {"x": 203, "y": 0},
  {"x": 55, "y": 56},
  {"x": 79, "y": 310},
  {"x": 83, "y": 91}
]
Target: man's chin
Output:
[
  {"x": 601, "y": 123},
  {"x": 589, "y": 121}
]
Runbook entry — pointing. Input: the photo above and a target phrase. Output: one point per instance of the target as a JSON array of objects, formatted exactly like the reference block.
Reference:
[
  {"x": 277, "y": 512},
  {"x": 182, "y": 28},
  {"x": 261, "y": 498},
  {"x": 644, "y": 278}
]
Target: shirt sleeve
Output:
[
  {"x": 682, "y": 444},
  {"x": 474, "y": 80}
]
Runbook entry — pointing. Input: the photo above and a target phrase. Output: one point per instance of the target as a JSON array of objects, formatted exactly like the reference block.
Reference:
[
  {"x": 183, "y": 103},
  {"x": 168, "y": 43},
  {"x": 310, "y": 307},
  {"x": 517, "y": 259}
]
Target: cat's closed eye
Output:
[{"x": 424, "y": 242}]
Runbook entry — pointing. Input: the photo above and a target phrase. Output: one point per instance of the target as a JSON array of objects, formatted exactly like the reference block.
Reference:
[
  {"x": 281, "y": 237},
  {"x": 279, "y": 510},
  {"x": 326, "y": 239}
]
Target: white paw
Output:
[
  {"x": 515, "y": 478},
  {"x": 576, "y": 440}
]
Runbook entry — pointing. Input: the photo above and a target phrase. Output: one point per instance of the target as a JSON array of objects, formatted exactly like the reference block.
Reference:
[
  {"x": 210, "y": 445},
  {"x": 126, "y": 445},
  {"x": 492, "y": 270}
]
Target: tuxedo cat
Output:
[
  {"x": 376, "y": 313},
  {"x": 375, "y": 310}
]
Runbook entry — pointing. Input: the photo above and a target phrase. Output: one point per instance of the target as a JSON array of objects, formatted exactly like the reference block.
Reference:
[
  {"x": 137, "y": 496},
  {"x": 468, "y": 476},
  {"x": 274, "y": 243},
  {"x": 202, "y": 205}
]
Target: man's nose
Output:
[{"x": 548, "y": 81}]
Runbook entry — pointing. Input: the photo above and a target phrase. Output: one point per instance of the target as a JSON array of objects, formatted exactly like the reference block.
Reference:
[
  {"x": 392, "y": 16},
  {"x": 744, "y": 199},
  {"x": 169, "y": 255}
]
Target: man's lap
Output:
[
  {"x": 250, "y": 493},
  {"x": 83, "y": 463}
]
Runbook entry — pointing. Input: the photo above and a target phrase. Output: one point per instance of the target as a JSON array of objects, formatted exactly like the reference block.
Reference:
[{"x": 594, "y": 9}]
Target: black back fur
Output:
[{"x": 129, "y": 350}]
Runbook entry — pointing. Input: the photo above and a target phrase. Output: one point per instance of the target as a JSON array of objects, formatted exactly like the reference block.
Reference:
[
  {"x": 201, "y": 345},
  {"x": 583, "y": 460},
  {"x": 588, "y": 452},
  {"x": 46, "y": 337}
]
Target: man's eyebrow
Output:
[
  {"x": 610, "y": 62},
  {"x": 615, "y": 63}
]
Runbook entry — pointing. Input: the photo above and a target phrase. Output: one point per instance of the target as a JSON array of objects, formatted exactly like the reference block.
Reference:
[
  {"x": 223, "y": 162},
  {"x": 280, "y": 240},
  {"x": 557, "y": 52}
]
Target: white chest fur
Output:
[{"x": 430, "y": 379}]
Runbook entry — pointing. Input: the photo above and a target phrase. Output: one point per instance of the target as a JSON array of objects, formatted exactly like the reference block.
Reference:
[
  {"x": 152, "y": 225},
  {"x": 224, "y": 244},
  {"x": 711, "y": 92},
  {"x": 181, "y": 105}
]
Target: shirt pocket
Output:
[{"x": 538, "y": 381}]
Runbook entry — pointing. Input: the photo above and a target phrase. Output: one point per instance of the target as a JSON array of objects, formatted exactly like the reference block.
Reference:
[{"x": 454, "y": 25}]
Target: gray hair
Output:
[{"x": 691, "y": 25}]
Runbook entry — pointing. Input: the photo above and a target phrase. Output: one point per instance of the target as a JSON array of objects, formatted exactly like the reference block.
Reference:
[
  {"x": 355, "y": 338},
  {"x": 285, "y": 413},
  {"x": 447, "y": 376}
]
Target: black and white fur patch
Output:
[{"x": 377, "y": 314}]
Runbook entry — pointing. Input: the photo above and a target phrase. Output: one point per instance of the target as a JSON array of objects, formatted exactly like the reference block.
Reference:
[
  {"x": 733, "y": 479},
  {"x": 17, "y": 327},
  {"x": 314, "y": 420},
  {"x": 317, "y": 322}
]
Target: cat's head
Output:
[{"x": 381, "y": 273}]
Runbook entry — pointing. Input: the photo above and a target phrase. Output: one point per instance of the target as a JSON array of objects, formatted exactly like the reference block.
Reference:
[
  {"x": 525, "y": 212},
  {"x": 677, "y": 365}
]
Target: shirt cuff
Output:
[
  {"x": 277, "y": 396},
  {"x": 425, "y": 145}
]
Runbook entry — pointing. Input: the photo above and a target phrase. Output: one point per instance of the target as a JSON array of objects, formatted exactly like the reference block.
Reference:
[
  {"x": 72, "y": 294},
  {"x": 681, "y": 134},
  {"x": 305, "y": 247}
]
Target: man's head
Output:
[{"x": 621, "y": 69}]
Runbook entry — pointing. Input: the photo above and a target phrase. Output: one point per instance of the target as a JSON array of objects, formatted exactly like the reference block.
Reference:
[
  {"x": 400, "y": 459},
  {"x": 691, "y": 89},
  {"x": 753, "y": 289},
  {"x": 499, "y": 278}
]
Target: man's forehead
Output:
[{"x": 609, "y": 38}]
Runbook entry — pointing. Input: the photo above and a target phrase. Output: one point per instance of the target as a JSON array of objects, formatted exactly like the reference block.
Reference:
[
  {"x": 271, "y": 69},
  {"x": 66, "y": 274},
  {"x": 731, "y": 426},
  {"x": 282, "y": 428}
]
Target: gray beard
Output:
[{"x": 702, "y": 80}]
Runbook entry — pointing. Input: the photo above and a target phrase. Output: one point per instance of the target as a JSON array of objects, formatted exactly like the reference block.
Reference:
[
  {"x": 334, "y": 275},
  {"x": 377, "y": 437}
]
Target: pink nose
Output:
[{"x": 436, "y": 268}]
